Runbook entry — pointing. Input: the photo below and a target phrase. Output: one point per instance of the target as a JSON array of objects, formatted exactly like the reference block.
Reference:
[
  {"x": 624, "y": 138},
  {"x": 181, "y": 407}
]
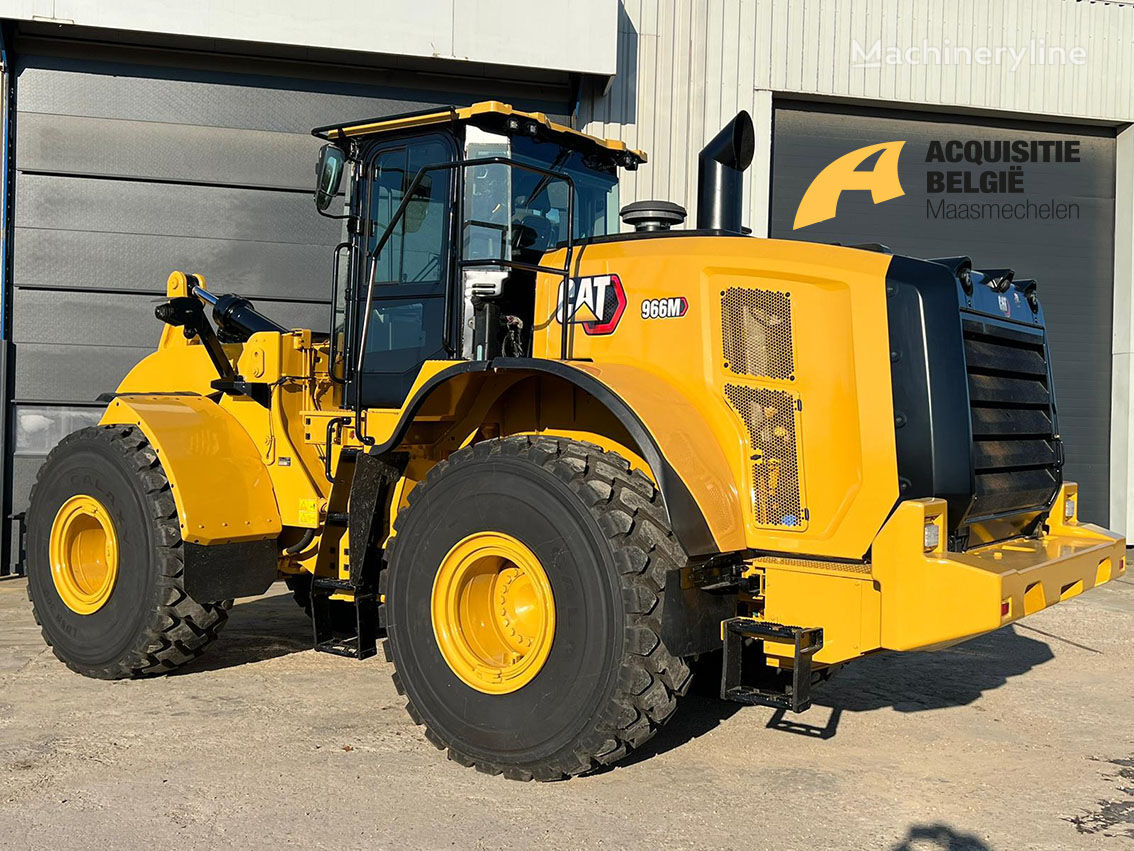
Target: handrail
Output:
[
  {"x": 332, "y": 352},
  {"x": 372, "y": 272}
]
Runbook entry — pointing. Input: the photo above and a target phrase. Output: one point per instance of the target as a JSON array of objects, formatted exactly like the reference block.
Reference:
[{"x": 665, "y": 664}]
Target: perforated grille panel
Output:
[
  {"x": 772, "y": 418},
  {"x": 756, "y": 330}
]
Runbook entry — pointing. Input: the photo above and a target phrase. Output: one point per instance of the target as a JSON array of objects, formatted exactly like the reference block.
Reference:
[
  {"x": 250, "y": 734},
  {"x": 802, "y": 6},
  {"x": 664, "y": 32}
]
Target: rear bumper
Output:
[{"x": 911, "y": 598}]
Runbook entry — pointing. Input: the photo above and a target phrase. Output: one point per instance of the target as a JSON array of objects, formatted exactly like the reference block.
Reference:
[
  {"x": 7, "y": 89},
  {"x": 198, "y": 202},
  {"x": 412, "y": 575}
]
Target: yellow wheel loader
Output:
[{"x": 550, "y": 465}]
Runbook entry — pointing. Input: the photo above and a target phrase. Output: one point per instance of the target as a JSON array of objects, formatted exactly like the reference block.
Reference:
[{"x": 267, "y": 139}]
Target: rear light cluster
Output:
[
  {"x": 932, "y": 534},
  {"x": 1069, "y": 507}
]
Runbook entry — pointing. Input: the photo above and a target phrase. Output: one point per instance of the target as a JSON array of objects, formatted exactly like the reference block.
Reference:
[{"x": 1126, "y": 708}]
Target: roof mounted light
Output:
[
  {"x": 1029, "y": 290},
  {"x": 965, "y": 276},
  {"x": 961, "y": 267}
]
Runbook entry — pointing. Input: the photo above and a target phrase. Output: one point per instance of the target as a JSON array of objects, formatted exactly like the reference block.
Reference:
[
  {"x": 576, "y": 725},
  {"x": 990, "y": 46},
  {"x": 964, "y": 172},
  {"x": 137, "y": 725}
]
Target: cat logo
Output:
[
  {"x": 821, "y": 199},
  {"x": 596, "y": 303}
]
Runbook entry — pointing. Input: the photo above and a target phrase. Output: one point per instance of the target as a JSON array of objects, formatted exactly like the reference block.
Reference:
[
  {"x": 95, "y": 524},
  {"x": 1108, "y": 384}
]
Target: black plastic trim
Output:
[{"x": 932, "y": 424}]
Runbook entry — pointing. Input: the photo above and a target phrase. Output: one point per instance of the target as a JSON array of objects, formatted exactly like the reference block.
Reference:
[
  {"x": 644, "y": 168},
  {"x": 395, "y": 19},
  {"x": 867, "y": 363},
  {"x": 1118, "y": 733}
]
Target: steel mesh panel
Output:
[
  {"x": 756, "y": 333},
  {"x": 770, "y": 415}
]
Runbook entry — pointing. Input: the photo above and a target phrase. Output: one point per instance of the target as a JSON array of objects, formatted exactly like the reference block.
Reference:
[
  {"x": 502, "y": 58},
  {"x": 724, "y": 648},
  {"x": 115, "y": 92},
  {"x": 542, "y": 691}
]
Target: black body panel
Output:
[
  {"x": 974, "y": 411},
  {"x": 931, "y": 393}
]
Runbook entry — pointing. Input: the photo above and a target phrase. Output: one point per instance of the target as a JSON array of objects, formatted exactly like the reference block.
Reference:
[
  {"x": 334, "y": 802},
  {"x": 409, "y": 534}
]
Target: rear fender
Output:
[{"x": 667, "y": 433}]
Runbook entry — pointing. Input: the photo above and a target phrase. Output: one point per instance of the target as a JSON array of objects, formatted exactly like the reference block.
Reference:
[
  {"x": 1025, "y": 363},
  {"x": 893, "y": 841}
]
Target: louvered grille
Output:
[
  {"x": 1015, "y": 456},
  {"x": 771, "y": 417},
  {"x": 756, "y": 329}
]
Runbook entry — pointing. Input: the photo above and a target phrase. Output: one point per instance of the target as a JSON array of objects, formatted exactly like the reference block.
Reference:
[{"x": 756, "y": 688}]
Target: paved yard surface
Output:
[{"x": 1021, "y": 739}]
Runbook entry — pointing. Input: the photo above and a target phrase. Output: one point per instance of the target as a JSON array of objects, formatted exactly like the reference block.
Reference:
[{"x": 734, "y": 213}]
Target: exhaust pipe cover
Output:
[{"x": 720, "y": 170}]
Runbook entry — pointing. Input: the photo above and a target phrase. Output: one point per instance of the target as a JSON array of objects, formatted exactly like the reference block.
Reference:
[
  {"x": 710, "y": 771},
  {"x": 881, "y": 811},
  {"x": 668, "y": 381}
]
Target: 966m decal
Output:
[{"x": 665, "y": 308}]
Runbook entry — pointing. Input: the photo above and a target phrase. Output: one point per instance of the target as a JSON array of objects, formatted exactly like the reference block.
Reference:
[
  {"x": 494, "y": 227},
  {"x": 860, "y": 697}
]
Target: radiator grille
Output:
[
  {"x": 756, "y": 329},
  {"x": 772, "y": 418},
  {"x": 1015, "y": 452}
]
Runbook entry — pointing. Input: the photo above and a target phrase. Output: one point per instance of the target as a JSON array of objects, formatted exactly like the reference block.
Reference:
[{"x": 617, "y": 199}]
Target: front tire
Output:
[
  {"x": 586, "y": 678},
  {"x": 105, "y": 561}
]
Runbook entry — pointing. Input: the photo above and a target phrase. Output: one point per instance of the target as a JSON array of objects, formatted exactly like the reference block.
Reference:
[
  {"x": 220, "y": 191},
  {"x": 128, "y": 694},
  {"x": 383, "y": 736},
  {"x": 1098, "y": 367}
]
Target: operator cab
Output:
[{"x": 448, "y": 215}]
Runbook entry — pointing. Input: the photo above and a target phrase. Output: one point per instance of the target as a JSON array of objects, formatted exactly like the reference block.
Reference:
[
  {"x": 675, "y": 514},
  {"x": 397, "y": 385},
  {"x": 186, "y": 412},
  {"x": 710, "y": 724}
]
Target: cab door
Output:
[{"x": 407, "y": 322}]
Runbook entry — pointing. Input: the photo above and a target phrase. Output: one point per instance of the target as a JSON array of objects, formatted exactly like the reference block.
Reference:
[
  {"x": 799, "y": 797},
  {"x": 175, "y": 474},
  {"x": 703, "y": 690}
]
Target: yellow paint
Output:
[
  {"x": 493, "y": 612},
  {"x": 906, "y": 598},
  {"x": 471, "y": 112},
  {"x": 938, "y": 598},
  {"x": 83, "y": 553},
  {"x": 673, "y": 372},
  {"x": 221, "y": 487}
]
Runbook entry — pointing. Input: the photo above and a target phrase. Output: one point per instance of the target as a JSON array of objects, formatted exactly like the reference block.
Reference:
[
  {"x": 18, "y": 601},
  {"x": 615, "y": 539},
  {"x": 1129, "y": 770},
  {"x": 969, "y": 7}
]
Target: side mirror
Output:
[{"x": 328, "y": 175}]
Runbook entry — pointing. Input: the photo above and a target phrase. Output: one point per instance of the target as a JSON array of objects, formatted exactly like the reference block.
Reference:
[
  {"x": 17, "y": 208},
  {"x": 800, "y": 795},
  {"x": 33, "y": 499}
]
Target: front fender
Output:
[{"x": 222, "y": 489}]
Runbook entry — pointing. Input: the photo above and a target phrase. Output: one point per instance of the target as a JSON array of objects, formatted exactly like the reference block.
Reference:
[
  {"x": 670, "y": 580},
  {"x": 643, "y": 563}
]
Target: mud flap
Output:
[{"x": 225, "y": 571}]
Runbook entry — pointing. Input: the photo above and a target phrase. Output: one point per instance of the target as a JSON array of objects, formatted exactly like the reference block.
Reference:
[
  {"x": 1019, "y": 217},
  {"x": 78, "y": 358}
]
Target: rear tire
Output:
[
  {"x": 147, "y": 623},
  {"x": 600, "y": 532}
]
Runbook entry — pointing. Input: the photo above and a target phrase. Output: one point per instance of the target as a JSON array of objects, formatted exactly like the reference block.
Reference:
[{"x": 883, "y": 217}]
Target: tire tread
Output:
[
  {"x": 179, "y": 628},
  {"x": 628, "y": 508}
]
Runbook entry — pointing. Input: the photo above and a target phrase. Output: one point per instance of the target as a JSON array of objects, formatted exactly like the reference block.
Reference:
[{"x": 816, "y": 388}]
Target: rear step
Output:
[
  {"x": 338, "y": 635},
  {"x": 794, "y": 696}
]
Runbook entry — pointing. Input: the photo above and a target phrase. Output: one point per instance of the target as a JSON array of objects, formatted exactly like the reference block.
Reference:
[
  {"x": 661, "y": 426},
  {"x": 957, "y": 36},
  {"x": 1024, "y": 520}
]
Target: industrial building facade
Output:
[{"x": 139, "y": 140}]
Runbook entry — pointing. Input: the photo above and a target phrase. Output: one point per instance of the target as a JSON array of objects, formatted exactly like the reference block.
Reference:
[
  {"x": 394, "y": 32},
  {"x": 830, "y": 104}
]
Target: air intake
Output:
[
  {"x": 771, "y": 417},
  {"x": 756, "y": 333},
  {"x": 652, "y": 216}
]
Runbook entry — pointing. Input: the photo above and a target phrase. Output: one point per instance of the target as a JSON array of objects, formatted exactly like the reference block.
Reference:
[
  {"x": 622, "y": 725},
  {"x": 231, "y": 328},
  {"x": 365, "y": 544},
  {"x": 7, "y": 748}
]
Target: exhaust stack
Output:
[{"x": 720, "y": 170}]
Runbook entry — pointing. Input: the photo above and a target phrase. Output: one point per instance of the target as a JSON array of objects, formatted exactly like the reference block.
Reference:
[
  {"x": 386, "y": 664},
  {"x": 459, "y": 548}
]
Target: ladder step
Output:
[
  {"x": 794, "y": 695},
  {"x": 332, "y": 586},
  {"x": 338, "y": 518},
  {"x": 344, "y": 627}
]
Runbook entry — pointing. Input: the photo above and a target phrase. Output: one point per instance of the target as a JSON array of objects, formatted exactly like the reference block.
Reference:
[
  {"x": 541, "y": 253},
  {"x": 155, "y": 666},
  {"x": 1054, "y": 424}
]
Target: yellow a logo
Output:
[{"x": 821, "y": 199}]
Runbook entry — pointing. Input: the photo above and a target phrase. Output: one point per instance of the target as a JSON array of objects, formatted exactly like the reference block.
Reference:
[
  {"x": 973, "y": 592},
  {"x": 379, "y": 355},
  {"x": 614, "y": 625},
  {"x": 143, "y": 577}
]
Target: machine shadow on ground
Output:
[
  {"x": 939, "y": 837},
  {"x": 904, "y": 682},
  {"x": 915, "y": 682},
  {"x": 269, "y": 627},
  {"x": 258, "y": 629}
]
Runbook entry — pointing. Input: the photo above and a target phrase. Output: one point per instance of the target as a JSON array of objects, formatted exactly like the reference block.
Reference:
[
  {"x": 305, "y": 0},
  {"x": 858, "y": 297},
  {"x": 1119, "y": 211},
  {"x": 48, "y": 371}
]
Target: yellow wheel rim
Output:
[
  {"x": 493, "y": 612},
  {"x": 83, "y": 551}
]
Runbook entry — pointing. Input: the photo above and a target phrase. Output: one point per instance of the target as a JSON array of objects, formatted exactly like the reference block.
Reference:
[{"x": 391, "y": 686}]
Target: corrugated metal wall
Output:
[
  {"x": 686, "y": 66},
  {"x": 133, "y": 162}
]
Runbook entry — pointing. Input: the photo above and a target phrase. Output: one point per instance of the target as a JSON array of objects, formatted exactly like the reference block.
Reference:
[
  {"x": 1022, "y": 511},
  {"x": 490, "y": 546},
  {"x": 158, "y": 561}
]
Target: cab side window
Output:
[{"x": 415, "y": 249}]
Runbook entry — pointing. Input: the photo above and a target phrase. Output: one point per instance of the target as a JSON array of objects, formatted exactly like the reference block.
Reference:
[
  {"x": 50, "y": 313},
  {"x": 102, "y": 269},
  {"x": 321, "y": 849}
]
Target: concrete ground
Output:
[{"x": 1020, "y": 739}]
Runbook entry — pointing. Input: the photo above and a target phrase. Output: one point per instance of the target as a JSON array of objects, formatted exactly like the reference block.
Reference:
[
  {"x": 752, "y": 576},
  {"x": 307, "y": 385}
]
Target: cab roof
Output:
[{"x": 489, "y": 115}]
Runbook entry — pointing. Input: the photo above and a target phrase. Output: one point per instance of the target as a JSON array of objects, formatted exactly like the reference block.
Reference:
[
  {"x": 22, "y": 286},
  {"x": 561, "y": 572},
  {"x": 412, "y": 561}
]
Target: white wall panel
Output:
[
  {"x": 694, "y": 63},
  {"x": 574, "y": 36}
]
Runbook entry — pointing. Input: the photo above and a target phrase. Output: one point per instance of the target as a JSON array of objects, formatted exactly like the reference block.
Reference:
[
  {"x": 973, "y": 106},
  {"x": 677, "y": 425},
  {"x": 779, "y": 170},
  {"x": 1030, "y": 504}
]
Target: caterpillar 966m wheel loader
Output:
[{"x": 551, "y": 464}]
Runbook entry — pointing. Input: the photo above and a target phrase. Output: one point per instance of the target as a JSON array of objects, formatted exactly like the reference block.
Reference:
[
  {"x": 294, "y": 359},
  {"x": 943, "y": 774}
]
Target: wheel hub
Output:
[
  {"x": 493, "y": 612},
  {"x": 83, "y": 552}
]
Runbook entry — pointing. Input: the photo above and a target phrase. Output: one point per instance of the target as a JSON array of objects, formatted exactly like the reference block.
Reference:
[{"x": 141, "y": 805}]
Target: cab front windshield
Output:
[{"x": 511, "y": 212}]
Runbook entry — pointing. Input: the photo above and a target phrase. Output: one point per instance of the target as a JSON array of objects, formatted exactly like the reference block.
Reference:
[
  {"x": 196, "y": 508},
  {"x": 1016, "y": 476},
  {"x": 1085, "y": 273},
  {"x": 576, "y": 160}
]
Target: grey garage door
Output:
[
  {"x": 131, "y": 165},
  {"x": 1057, "y": 227}
]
